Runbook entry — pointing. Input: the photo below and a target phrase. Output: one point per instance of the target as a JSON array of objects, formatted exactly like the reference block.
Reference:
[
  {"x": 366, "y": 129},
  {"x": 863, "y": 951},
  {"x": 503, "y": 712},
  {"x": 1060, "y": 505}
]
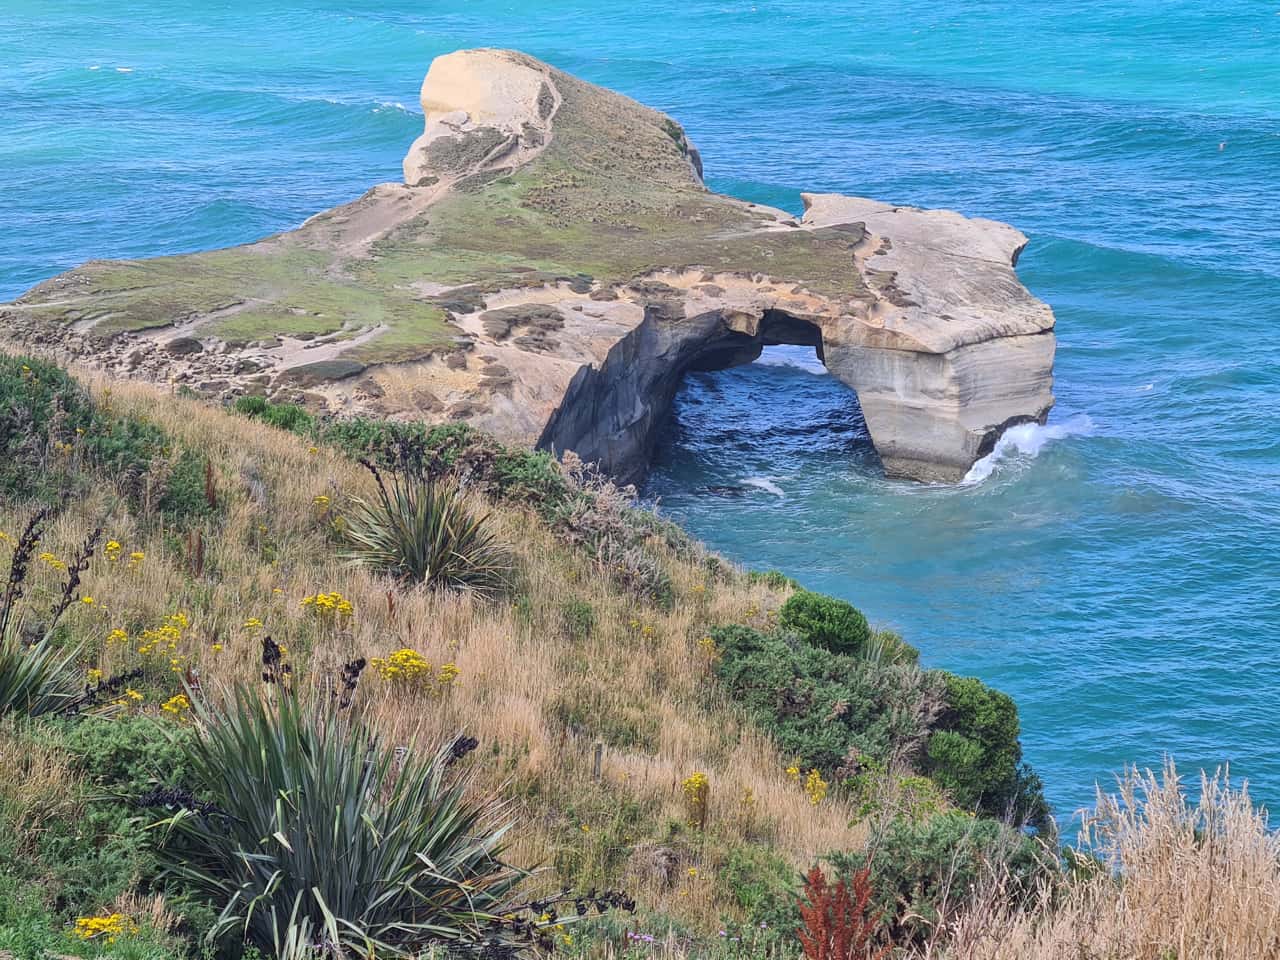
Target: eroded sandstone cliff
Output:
[{"x": 552, "y": 267}]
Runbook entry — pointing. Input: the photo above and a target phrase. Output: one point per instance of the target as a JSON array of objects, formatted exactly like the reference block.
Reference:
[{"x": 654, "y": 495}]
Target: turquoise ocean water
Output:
[{"x": 1117, "y": 572}]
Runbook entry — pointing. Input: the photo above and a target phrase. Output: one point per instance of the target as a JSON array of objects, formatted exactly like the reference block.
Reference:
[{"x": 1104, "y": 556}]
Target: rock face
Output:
[{"x": 549, "y": 271}]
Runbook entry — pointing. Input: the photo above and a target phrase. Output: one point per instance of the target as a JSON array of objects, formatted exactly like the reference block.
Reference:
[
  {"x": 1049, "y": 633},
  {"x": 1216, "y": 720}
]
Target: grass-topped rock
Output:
[{"x": 561, "y": 233}]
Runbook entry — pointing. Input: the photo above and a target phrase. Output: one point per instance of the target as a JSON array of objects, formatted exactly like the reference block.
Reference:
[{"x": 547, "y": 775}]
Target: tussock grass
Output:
[{"x": 1177, "y": 879}]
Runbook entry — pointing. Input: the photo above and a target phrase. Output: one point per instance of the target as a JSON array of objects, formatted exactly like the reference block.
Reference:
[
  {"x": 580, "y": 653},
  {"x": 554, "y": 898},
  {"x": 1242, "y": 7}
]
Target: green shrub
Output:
[
  {"x": 124, "y": 449},
  {"x": 421, "y": 532},
  {"x": 763, "y": 886},
  {"x": 825, "y": 622},
  {"x": 41, "y": 406},
  {"x": 579, "y": 619},
  {"x": 974, "y": 754},
  {"x": 923, "y": 871},
  {"x": 529, "y": 477},
  {"x": 318, "y": 831},
  {"x": 824, "y": 711},
  {"x": 185, "y": 500},
  {"x": 887, "y": 646},
  {"x": 774, "y": 579},
  {"x": 286, "y": 416},
  {"x": 127, "y": 755}
]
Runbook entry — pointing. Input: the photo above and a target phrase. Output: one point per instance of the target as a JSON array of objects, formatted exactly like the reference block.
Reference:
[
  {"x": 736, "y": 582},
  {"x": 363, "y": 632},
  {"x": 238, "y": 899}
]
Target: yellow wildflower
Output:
[
  {"x": 815, "y": 787},
  {"x": 95, "y": 675},
  {"x": 52, "y": 561},
  {"x": 136, "y": 558},
  {"x": 112, "y": 550},
  {"x": 87, "y": 601},
  {"x": 216, "y": 648},
  {"x": 331, "y": 604},
  {"x": 117, "y": 636},
  {"x": 107, "y": 928},
  {"x": 176, "y": 705},
  {"x": 253, "y": 623}
]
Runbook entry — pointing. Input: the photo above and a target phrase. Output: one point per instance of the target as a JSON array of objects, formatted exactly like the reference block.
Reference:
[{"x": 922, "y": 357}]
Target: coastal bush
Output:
[
  {"x": 68, "y": 801},
  {"x": 925, "y": 871},
  {"x": 312, "y": 831},
  {"x": 763, "y": 886},
  {"x": 974, "y": 754},
  {"x": 421, "y": 532},
  {"x": 828, "y": 712},
  {"x": 286, "y": 416},
  {"x": 887, "y": 646},
  {"x": 54, "y": 439},
  {"x": 579, "y": 619},
  {"x": 43, "y": 411},
  {"x": 774, "y": 579},
  {"x": 825, "y": 622}
]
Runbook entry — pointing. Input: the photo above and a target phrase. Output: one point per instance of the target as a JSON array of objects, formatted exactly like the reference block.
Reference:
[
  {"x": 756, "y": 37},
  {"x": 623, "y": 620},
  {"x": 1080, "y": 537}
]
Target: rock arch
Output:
[{"x": 548, "y": 270}]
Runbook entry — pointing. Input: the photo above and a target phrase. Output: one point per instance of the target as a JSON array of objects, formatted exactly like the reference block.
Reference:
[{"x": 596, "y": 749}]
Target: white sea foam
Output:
[
  {"x": 766, "y": 484},
  {"x": 1026, "y": 440},
  {"x": 124, "y": 69}
]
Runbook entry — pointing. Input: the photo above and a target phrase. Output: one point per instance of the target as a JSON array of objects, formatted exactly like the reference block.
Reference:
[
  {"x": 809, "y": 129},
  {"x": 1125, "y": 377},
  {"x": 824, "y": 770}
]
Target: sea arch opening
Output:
[
  {"x": 760, "y": 414},
  {"x": 620, "y": 413}
]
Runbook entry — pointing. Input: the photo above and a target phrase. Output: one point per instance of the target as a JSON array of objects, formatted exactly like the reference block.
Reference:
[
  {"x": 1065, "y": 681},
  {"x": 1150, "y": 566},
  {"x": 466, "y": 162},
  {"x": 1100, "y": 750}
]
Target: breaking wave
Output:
[{"x": 1025, "y": 441}]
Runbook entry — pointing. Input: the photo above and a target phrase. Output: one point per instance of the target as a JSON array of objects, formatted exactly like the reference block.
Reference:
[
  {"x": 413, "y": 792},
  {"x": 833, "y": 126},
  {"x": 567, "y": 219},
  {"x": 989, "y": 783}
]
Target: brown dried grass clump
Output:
[{"x": 1176, "y": 880}]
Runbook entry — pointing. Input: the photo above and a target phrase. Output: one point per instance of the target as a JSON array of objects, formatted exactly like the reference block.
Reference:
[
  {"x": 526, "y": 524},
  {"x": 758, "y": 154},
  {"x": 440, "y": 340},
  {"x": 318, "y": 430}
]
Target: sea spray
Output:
[{"x": 1025, "y": 441}]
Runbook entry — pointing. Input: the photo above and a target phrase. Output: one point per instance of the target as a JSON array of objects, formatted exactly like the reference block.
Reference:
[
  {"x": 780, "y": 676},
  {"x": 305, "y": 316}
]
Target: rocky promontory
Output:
[{"x": 551, "y": 268}]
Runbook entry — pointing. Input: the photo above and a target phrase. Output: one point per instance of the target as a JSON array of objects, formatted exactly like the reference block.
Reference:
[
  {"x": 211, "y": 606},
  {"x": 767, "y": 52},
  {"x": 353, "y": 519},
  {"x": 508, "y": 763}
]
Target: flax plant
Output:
[
  {"x": 421, "y": 532},
  {"x": 315, "y": 834}
]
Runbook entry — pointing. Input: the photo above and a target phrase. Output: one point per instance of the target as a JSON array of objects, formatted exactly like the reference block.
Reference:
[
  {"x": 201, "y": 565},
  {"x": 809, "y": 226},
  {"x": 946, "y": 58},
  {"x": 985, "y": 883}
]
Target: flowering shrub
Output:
[
  {"x": 815, "y": 788},
  {"x": 106, "y": 928},
  {"x": 697, "y": 791},
  {"x": 329, "y": 606},
  {"x": 162, "y": 641},
  {"x": 409, "y": 668}
]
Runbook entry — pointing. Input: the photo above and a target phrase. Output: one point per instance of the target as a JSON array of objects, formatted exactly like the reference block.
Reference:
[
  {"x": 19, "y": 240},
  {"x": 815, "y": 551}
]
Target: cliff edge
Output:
[{"x": 551, "y": 268}]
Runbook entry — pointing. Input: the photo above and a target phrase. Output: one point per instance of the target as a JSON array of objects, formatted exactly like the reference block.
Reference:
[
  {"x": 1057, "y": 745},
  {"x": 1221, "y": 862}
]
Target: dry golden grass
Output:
[
  {"x": 36, "y": 783},
  {"x": 1197, "y": 881},
  {"x": 641, "y": 676}
]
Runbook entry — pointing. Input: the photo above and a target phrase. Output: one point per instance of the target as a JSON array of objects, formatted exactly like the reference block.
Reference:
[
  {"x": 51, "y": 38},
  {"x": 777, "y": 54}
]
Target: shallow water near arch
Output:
[{"x": 1118, "y": 573}]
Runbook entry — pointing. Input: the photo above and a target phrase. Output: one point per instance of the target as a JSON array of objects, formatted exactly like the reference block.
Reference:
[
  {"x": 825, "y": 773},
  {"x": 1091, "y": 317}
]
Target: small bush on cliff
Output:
[
  {"x": 286, "y": 416},
  {"x": 42, "y": 413},
  {"x": 975, "y": 755},
  {"x": 826, "y": 711},
  {"x": 825, "y": 622},
  {"x": 924, "y": 871}
]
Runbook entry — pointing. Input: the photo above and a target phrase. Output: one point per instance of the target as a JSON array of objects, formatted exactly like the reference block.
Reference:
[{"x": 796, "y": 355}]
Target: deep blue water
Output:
[{"x": 1122, "y": 582}]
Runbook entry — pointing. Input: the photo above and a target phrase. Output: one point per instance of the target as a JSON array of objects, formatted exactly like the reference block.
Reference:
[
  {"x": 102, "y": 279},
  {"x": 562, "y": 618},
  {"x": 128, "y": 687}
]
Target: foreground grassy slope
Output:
[
  {"x": 568, "y": 660},
  {"x": 745, "y": 729}
]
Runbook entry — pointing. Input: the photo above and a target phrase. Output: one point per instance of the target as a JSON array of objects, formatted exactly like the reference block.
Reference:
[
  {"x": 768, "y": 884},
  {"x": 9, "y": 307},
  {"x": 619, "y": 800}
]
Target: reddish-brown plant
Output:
[{"x": 838, "y": 921}]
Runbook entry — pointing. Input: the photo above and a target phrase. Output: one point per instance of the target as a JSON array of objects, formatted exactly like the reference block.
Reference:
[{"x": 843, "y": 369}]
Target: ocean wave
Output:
[
  {"x": 766, "y": 484},
  {"x": 1025, "y": 441}
]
